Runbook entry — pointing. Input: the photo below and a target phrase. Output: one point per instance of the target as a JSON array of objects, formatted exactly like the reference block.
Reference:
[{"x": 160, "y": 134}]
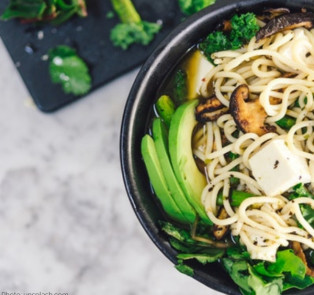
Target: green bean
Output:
[
  {"x": 286, "y": 122},
  {"x": 236, "y": 198},
  {"x": 165, "y": 108}
]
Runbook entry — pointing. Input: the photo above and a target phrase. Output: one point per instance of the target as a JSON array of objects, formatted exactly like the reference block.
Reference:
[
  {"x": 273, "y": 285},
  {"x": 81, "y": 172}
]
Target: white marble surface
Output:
[{"x": 66, "y": 224}]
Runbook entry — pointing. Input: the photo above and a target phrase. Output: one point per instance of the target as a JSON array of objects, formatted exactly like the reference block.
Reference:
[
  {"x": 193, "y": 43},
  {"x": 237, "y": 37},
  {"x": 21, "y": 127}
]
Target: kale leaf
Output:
[{"x": 69, "y": 70}]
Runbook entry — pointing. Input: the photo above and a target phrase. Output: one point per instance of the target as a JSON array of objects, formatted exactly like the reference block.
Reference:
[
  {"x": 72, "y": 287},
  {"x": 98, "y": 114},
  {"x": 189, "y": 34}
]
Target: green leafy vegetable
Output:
[
  {"x": 238, "y": 253},
  {"x": 212, "y": 256},
  {"x": 27, "y": 9},
  {"x": 261, "y": 287},
  {"x": 54, "y": 11},
  {"x": 190, "y": 7},
  {"x": 243, "y": 28},
  {"x": 180, "y": 86},
  {"x": 69, "y": 70},
  {"x": 286, "y": 262},
  {"x": 131, "y": 29},
  {"x": 296, "y": 282},
  {"x": 308, "y": 214},
  {"x": 300, "y": 190},
  {"x": 185, "y": 269},
  {"x": 177, "y": 233},
  {"x": 238, "y": 271}
]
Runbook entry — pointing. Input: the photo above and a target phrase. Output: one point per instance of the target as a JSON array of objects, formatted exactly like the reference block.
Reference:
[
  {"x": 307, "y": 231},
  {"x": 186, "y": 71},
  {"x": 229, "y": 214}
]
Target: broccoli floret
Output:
[
  {"x": 243, "y": 28},
  {"x": 132, "y": 28},
  {"x": 123, "y": 35},
  {"x": 189, "y": 7},
  {"x": 216, "y": 41}
]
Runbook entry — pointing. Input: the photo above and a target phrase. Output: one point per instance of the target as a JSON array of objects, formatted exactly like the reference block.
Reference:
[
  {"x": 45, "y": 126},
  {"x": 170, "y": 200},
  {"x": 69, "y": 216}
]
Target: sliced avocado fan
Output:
[
  {"x": 161, "y": 142},
  {"x": 191, "y": 180},
  {"x": 158, "y": 180}
]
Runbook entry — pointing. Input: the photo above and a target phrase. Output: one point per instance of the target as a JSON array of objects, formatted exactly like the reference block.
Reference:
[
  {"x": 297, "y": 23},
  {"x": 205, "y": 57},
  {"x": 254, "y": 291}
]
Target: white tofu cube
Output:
[
  {"x": 197, "y": 68},
  {"x": 276, "y": 168}
]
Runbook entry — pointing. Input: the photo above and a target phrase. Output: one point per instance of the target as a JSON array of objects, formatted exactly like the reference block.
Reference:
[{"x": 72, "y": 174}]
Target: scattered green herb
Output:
[
  {"x": 190, "y": 7},
  {"x": 53, "y": 11},
  {"x": 69, "y": 70},
  {"x": 132, "y": 28}
]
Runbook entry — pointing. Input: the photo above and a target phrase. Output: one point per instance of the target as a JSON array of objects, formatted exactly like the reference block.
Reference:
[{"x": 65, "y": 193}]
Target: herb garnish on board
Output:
[
  {"x": 53, "y": 11},
  {"x": 69, "y": 70}
]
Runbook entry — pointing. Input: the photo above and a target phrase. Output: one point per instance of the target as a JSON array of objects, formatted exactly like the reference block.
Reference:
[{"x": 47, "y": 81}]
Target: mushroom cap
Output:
[
  {"x": 249, "y": 115},
  {"x": 284, "y": 22}
]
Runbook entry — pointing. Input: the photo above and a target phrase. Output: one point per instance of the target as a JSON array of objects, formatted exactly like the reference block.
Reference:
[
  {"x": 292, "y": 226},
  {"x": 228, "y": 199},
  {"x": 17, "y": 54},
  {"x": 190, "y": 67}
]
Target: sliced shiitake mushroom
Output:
[
  {"x": 249, "y": 115},
  {"x": 271, "y": 13},
  {"x": 296, "y": 246},
  {"x": 220, "y": 231},
  {"x": 210, "y": 110},
  {"x": 286, "y": 22}
]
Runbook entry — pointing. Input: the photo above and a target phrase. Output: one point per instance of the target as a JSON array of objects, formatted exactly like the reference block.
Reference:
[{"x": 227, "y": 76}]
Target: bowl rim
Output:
[{"x": 145, "y": 77}]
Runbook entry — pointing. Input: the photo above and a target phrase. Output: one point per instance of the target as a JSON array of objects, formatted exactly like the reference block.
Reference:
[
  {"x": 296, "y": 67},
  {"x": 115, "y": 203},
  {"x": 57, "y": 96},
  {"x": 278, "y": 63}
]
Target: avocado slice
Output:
[
  {"x": 158, "y": 181},
  {"x": 189, "y": 177},
  {"x": 161, "y": 142}
]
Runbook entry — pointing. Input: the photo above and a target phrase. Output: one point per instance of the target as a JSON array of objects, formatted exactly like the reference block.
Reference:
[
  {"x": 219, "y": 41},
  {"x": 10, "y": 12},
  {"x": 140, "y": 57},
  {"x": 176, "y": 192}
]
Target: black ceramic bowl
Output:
[{"x": 138, "y": 112}]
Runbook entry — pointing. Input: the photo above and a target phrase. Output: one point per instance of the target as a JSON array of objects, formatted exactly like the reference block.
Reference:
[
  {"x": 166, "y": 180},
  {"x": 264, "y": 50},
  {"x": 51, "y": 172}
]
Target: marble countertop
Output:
[{"x": 66, "y": 224}]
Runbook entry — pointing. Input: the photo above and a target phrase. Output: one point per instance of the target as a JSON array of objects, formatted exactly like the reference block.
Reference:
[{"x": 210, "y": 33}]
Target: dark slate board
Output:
[{"x": 90, "y": 37}]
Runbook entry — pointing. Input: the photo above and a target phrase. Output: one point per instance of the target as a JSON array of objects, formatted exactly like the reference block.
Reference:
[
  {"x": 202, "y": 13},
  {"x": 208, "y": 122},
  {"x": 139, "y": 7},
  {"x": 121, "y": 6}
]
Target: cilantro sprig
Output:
[{"x": 69, "y": 70}]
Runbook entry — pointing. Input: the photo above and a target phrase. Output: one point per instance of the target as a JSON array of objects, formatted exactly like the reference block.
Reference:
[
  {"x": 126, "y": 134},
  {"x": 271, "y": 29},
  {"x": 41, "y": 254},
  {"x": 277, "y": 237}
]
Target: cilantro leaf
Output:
[{"x": 69, "y": 70}]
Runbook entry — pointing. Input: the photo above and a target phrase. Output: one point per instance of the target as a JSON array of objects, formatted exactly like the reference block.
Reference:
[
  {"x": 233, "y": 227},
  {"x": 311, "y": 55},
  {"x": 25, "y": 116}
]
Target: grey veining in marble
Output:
[{"x": 66, "y": 224}]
